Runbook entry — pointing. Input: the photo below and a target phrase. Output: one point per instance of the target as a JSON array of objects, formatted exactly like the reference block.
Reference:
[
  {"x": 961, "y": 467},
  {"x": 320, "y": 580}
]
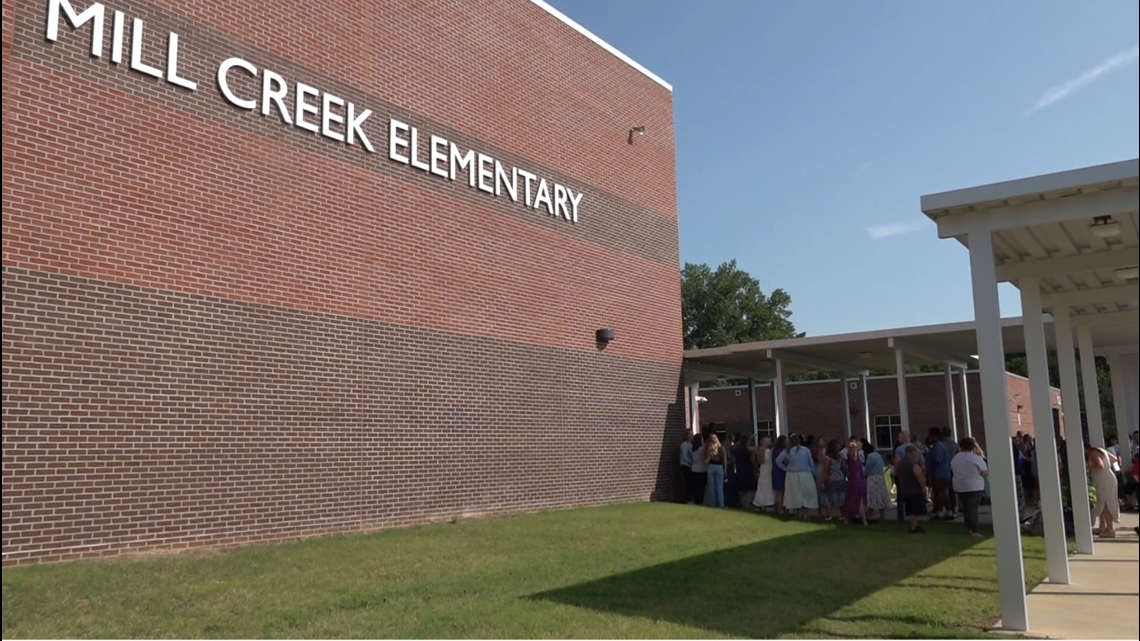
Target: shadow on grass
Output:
[{"x": 776, "y": 586}]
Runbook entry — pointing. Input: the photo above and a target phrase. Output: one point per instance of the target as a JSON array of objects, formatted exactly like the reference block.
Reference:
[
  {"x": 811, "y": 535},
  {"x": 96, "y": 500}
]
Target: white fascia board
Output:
[
  {"x": 1112, "y": 294},
  {"x": 601, "y": 43},
  {"x": 925, "y": 352},
  {"x": 1022, "y": 187},
  {"x": 1112, "y": 202},
  {"x": 698, "y": 367}
]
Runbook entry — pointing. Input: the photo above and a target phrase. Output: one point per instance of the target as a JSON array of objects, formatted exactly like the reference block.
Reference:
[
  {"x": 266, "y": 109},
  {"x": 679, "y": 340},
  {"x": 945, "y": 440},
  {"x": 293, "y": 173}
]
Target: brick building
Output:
[
  {"x": 270, "y": 273},
  {"x": 817, "y": 407}
]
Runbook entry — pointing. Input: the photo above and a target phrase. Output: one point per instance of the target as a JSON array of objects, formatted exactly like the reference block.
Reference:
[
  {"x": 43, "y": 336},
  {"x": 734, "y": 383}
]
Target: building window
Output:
[
  {"x": 886, "y": 426},
  {"x": 766, "y": 428}
]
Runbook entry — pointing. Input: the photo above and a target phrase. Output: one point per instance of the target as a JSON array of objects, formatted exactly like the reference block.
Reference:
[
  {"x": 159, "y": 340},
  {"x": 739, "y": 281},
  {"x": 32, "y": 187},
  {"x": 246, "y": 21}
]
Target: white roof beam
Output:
[
  {"x": 813, "y": 362},
  {"x": 1111, "y": 202},
  {"x": 697, "y": 367},
  {"x": 927, "y": 353},
  {"x": 1115, "y": 350},
  {"x": 1108, "y": 319},
  {"x": 1111, "y": 294},
  {"x": 1122, "y": 257}
]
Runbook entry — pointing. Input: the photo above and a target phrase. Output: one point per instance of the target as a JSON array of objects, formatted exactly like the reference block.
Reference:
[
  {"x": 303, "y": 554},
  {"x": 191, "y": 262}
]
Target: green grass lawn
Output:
[{"x": 649, "y": 570}]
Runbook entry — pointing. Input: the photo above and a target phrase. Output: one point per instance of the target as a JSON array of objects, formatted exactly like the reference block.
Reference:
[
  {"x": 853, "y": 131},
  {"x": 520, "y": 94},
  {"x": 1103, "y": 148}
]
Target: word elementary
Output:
[{"x": 323, "y": 113}]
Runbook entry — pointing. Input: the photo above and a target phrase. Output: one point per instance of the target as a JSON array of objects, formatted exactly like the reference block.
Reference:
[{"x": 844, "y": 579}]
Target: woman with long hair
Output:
[
  {"x": 874, "y": 468},
  {"x": 799, "y": 492},
  {"x": 765, "y": 494},
  {"x": 715, "y": 456},
  {"x": 855, "y": 503},
  {"x": 779, "y": 476}
]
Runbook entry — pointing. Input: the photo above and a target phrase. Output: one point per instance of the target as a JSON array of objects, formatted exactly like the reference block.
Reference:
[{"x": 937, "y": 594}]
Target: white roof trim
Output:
[
  {"x": 601, "y": 43},
  {"x": 1032, "y": 186},
  {"x": 918, "y": 331}
]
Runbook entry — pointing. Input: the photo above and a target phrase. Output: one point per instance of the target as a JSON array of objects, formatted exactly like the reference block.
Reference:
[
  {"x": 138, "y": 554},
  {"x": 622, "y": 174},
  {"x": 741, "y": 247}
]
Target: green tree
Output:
[
  {"x": 726, "y": 306},
  {"x": 1017, "y": 364}
]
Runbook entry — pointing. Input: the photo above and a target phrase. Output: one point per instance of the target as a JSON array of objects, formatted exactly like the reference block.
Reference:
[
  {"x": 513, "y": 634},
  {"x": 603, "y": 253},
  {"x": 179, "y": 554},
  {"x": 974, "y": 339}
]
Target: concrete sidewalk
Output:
[{"x": 1103, "y": 598}]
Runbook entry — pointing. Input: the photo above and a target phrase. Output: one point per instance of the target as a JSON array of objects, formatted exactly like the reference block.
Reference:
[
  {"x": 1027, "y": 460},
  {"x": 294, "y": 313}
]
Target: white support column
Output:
[
  {"x": 952, "y": 414},
  {"x": 1132, "y": 370},
  {"x": 867, "y": 411},
  {"x": 782, "y": 395},
  {"x": 778, "y": 410},
  {"x": 752, "y": 407},
  {"x": 1120, "y": 406},
  {"x": 1049, "y": 473},
  {"x": 900, "y": 377},
  {"x": 1074, "y": 439},
  {"x": 1092, "y": 388},
  {"x": 846, "y": 404},
  {"x": 966, "y": 422},
  {"x": 1003, "y": 494},
  {"x": 694, "y": 414}
]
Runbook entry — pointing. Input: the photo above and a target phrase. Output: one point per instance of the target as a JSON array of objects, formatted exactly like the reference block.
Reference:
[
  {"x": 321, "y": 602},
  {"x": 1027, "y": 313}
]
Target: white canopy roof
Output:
[
  {"x": 929, "y": 344},
  {"x": 1074, "y": 231}
]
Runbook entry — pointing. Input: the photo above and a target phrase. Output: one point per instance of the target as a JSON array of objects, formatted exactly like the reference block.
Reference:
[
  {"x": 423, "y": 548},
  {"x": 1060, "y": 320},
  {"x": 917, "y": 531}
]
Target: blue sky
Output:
[{"x": 806, "y": 128}]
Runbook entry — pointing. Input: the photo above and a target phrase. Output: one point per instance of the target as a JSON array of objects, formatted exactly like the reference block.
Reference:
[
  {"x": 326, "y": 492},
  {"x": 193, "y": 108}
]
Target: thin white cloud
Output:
[
  {"x": 1066, "y": 89},
  {"x": 879, "y": 232}
]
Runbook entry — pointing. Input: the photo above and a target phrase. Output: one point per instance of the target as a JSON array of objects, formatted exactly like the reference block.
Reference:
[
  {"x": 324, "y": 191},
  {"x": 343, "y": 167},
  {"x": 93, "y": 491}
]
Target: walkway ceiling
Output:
[{"x": 1076, "y": 232}]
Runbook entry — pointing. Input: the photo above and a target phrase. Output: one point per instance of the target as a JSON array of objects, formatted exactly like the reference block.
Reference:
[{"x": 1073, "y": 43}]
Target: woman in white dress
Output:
[
  {"x": 1107, "y": 508},
  {"x": 765, "y": 495},
  {"x": 800, "y": 492}
]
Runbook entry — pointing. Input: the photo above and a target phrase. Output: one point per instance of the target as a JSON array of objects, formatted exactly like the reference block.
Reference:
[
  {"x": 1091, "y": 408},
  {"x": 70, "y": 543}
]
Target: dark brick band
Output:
[{"x": 139, "y": 418}]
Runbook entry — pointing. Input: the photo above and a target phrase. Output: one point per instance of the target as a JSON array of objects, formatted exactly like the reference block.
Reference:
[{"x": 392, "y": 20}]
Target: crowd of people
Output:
[{"x": 937, "y": 477}]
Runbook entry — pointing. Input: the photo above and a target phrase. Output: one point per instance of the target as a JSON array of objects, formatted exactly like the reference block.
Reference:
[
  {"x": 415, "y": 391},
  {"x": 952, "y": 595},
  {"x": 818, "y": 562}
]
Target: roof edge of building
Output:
[{"x": 601, "y": 43}]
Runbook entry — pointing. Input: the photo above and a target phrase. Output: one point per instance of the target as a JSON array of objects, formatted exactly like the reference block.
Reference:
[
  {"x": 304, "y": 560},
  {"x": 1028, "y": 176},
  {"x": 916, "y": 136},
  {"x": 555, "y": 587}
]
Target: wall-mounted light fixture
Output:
[
  {"x": 636, "y": 129},
  {"x": 1104, "y": 227},
  {"x": 604, "y": 335}
]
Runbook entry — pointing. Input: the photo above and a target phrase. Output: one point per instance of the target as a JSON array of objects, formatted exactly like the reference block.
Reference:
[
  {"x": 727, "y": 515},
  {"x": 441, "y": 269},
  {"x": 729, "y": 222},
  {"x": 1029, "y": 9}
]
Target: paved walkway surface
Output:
[{"x": 1103, "y": 598}]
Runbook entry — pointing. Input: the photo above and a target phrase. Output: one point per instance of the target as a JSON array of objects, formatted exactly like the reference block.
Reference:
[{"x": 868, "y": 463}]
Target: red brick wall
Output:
[
  {"x": 817, "y": 407},
  {"x": 220, "y": 328}
]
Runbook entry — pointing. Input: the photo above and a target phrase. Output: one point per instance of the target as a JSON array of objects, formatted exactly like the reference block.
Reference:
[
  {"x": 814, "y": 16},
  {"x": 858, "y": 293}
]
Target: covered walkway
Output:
[
  {"x": 852, "y": 356},
  {"x": 1069, "y": 242},
  {"x": 1103, "y": 596}
]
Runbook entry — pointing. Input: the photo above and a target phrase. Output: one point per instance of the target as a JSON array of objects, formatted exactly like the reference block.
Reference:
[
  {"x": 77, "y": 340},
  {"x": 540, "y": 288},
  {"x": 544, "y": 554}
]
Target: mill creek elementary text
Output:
[{"x": 323, "y": 113}]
